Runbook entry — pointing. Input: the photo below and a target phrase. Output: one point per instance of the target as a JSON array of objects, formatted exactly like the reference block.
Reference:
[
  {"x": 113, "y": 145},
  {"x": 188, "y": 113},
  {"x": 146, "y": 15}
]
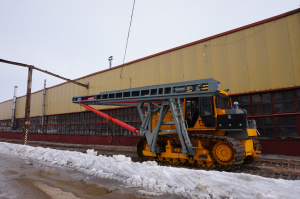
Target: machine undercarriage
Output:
[{"x": 213, "y": 152}]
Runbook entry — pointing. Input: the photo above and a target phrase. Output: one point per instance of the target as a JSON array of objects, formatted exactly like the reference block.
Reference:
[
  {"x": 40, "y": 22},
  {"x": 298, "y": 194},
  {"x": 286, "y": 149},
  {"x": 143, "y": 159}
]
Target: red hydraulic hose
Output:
[{"x": 112, "y": 119}]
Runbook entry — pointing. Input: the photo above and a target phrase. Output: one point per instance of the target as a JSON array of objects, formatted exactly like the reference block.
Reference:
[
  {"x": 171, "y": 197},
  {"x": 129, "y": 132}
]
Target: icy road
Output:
[{"x": 154, "y": 180}]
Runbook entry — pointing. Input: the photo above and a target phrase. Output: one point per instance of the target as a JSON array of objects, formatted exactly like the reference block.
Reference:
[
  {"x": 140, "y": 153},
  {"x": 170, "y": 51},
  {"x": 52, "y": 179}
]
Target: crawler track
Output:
[{"x": 237, "y": 146}]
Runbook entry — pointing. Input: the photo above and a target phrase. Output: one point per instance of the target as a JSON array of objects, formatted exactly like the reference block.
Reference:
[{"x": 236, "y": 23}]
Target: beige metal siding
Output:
[
  {"x": 257, "y": 59},
  {"x": 189, "y": 55},
  {"x": 204, "y": 60},
  {"x": 20, "y": 107},
  {"x": 6, "y": 110},
  {"x": 36, "y": 104},
  {"x": 262, "y": 57},
  {"x": 59, "y": 99},
  {"x": 294, "y": 40},
  {"x": 220, "y": 61},
  {"x": 238, "y": 62},
  {"x": 279, "y": 54}
]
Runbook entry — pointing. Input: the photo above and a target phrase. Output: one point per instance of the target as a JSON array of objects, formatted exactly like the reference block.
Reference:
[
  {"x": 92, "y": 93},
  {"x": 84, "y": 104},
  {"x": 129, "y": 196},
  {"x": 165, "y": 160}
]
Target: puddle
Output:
[
  {"x": 89, "y": 189},
  {"x": 53, "y": 192},
  {"x": 37, "y": 180}
]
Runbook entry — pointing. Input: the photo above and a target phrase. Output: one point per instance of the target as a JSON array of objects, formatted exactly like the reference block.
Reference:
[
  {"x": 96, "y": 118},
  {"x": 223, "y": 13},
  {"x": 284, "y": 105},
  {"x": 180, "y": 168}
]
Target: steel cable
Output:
[{"x": 121, "y": 75}]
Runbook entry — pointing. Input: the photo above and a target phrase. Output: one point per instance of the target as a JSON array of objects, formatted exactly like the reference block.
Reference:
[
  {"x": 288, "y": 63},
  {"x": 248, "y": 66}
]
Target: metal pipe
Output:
[
  {"x": 44, "y": 71},
  {"x": 13, "y": 115},
  {"x": 112, "y": 119},
  {"x": 68, "y": 80},
  {"x": 44, "y": 105}
]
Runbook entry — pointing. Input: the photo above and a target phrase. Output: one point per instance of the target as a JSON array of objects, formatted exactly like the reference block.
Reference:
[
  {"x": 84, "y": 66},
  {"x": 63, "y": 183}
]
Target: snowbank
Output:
[{"x": 153, "y": 179}]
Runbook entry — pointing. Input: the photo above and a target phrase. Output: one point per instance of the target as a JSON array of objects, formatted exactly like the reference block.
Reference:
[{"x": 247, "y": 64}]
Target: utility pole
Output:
[
  {"x": 27, "y": 108},
  {"x": 28, "y": 95}
]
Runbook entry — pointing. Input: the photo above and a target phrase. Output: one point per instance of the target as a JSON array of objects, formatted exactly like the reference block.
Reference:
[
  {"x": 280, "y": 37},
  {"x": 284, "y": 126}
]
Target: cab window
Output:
[
  {"x": 223, "y": 101},
  {"x": 191, "y": 111},
  {"x": 207, "y": 111}
]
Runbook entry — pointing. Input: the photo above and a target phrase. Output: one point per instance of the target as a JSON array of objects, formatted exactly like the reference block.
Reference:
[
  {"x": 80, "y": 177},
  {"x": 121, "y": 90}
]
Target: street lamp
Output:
[{"x": 110, "y": 59}]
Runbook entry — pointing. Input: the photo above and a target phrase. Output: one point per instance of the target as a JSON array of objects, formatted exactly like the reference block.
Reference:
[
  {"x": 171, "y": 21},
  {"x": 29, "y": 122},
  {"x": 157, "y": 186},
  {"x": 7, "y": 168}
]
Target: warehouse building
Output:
[{"x": 259, "y": 63}]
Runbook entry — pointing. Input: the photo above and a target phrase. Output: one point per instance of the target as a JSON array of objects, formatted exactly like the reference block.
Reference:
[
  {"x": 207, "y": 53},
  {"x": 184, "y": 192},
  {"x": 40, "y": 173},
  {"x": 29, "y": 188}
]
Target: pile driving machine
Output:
[{"x": 189, "y": 122}]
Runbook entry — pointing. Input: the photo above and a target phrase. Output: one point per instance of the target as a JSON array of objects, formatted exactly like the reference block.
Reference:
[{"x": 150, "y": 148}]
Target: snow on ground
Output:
[{"x": 154, "y": 180}]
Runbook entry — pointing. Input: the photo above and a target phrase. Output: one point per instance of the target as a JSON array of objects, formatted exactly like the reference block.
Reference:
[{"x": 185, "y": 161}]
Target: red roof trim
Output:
[
  {"x": 265, "y": 91},
  {"x": 185, "y": 45},
  {"x": 202, "y": 40}
]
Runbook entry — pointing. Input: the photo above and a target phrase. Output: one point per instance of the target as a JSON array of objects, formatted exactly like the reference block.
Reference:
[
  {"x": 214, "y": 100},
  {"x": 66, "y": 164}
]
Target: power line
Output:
[{"x": 127, "y": 38}]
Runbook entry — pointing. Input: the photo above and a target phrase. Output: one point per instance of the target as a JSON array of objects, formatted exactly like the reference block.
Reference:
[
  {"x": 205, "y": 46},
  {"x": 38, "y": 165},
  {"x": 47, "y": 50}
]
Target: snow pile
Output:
[{"x": 154, "y": 180}]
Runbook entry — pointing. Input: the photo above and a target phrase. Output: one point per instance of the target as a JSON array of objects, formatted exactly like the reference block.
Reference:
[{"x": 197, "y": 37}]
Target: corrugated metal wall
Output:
[
  {"x": 6, "y": 110},
  {"x": 262, "y": 57}
]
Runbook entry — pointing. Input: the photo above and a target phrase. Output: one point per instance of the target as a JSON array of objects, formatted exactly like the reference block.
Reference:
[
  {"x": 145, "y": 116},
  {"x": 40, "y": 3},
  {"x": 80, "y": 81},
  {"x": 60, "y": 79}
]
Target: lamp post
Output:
[{"x": 110, "y": 59}]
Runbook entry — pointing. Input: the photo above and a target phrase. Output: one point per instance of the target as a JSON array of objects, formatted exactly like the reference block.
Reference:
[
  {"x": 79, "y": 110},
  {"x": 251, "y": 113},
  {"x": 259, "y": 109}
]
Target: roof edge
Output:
[
  {"x": 199, "y": 41},
  {"x": 182, "y": 46}
]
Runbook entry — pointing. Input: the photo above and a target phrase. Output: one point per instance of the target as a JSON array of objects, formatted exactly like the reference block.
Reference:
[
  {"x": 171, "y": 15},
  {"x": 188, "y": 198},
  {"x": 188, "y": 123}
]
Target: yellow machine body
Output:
[{"x": 214, "y": 146}]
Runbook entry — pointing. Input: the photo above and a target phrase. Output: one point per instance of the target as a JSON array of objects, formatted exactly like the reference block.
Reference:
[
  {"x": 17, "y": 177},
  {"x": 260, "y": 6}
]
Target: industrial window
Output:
[
  {"x": 274, "y": 112},
  {"x": 82, "y": 123},
  {"x": 104, "y": 129},
  {"x": 270, "y": 103},
  {"x": 265, "y": 126},
  {"x": 127, "y": 114},
  {"x": 284, "y": 101},
  {"x": 256, "y": 104},
  {"x": 135, "y": 114},
  {"x": 266, "y": 101},
  {"x": 287, "y": 126},
  {"x": 244, "y": 102},
  {"x": 5, "y": 125},
  {"x": 298, "y": 99},
  {"x": 118, "y": 114},
  {"x": 261, "y": 104}
]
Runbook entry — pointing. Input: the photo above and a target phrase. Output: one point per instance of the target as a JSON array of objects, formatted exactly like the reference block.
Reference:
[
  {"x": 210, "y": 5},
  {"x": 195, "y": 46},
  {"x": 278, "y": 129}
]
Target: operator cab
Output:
[{"x": 205, "y": 108}]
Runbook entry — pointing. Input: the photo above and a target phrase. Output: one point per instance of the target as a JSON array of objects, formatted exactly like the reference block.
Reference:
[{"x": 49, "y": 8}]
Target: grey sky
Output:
[{"x": 74, "y": 38}]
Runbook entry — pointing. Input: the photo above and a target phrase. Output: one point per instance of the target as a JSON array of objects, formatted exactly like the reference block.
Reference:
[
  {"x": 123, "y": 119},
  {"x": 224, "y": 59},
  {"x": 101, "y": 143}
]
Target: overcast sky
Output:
[{"x": 74, "y": 38}]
